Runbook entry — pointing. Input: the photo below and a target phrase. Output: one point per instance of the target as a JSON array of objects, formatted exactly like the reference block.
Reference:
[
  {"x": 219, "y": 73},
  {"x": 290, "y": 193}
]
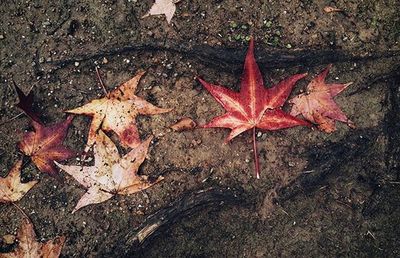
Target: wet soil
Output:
[{"x": 319, "y": 194}]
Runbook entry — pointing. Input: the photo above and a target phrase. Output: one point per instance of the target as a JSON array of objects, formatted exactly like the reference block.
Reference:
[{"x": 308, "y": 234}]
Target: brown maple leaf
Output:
[
  {"x": 254, "y": 106},
  {"x": 28, "y": 247},
  {"x": 317, "y": 104},
  {"x": 11, "y": 188},
  {"x": 117, "y": 112},
  {"x": 166, "y": 7},
  {"x": 110, "y": 174},
  {"x": 44, "y": 145}
]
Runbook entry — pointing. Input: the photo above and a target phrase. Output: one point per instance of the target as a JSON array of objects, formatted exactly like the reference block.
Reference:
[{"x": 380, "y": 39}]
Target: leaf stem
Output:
[
  {"x": 256, "y": 161},
  {"x": 100, "y": 80}
]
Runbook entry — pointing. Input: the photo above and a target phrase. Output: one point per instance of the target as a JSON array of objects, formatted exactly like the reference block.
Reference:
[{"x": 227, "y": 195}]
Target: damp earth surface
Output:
[{"x": 319, "y": 194}]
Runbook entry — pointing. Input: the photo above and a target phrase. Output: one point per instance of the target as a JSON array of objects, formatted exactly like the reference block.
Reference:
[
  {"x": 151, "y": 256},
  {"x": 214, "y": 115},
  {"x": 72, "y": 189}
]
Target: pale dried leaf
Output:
[
  {"x": 166, "y": 7},
  {"x": 117, "y": 112},
  {"x": 28, "y": 247},
  {"x": 11, "y": 188},
  {"x": 111, "y": 174}
]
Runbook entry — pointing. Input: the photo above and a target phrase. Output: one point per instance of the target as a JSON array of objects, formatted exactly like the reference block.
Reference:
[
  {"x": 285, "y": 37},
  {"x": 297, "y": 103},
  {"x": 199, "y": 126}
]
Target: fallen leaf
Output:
[
  {"x": 29, "y": 247},
  {"x": 117, "y": 112},
  {"x": 330, "y": 9},
  {"x": 25, "y": 104},
  {"x": 317, "y": 104},
  {"x": 110, "y": 174},
  {"x": 11, "y": 188},
  {"x": 254, "y": 106},
  {"x": 183, "y": 124},
  {"x": 166, "y": 7},
  {"x": 44, "y": 145}
]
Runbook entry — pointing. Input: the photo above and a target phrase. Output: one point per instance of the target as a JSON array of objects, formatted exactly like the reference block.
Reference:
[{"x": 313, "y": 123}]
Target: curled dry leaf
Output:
[
  {"x": 166, "y": 7},
  {"x": 44, "y": 145},
  {"x": 110, "y": 174},
  {"x": 317, "y": 104},
  {"x": 29, "y": 247},
  {"x": 117, "y": 112},
  {"x": 11, "y": 188},
  {"x": 254, "y": 106},
  {"x": 184, "y": 124},
  {"x": 330, "y": 9}
]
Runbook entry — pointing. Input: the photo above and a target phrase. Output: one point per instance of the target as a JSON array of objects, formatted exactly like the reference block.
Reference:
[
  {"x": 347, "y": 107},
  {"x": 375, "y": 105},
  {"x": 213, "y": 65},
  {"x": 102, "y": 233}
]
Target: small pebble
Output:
[
  {"x": 1, "y": 36},
  {"x": 105, "y": 60},
  {"x": 76, "y": 64}
]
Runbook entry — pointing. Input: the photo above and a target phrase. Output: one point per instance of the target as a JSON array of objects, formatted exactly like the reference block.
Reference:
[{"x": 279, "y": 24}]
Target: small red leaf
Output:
[
  {"x": 317, "y": 104},
  {"x": 25, "y": 104},
  {"x": 44, "y": 145}
]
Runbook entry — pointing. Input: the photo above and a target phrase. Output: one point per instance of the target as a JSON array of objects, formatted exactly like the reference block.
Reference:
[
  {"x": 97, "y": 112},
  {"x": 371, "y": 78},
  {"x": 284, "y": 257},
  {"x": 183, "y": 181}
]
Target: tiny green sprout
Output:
[
  {"x": 233, "y": 24},
  {"x": 275, "y": 41},
  {"x": 268, "y": 24},
  {"x": 247, "y": 38},
  {"x": 288, "y": 46}
]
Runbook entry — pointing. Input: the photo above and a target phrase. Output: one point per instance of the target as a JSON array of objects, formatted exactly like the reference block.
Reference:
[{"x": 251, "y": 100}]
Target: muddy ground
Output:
[{"x": 337, "y": 194}]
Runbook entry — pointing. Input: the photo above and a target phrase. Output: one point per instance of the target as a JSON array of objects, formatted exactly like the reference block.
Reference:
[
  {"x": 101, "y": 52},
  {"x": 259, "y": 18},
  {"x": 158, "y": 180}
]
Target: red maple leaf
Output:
[
  {"x": 44, "y": 145},
  {"x": 317, "y": 104},
  {"x": 254, "y": 106}
]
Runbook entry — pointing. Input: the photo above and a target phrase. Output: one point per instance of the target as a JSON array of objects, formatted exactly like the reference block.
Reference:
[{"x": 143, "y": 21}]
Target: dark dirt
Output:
[{"x": 336, "y": 194}]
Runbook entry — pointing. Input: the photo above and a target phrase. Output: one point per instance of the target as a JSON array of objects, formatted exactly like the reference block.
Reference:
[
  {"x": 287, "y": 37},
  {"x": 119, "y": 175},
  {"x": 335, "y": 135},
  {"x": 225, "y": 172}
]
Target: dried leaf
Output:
[
  {"x": 183, "y": 124},
  {"x": 110, "y": 174},
  {"x": 117, "y": 112},
  {"x": 317, "y": 104},
  {"x": 44, "y": 145},
  {"x": 330, "y": 9},
  {"x": 28, "y": 247},
  {"x": 25, "y": 104},
  {"x": 166, "y": 7},
  {"x": 254, "y": 106},
  {"x": 11, "y": 188}
]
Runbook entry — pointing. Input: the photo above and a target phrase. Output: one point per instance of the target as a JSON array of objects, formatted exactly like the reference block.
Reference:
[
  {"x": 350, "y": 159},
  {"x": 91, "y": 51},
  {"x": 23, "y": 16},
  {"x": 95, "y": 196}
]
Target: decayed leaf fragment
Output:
[
  {"x": 110, "y": 174},
  {"x": 317, "y": 104},
  {"x": 166, "y": 7},
  {"x": 28, "y": 247},
  {"x": 44, "y": 145},
  {"x": 254, "y": 106},
  {"x": 11, "y": 188},
  {"x": 183, "y": 124},
  {"x": 117, "y": 112}
]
